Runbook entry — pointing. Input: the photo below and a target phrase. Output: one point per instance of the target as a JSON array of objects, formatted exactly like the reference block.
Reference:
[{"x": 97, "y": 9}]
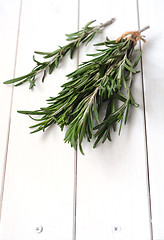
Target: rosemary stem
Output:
[
  {"x": 102, "y": 25},
  {"x": 143, "y": 29},
  {"x": 107, "y": 23}
]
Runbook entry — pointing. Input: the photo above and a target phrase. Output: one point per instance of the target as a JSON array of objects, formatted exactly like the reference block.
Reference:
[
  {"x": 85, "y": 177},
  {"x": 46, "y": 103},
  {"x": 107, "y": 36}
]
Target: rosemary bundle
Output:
[
  {"x": 104, "y": 82},
  {"x": 41, "y": 69}
]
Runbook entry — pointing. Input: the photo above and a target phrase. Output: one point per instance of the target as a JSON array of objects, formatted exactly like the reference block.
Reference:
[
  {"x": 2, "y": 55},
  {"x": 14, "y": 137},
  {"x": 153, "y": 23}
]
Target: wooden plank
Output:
[
  {"x": 40, "y": 170},
  {"x": 154, "y": 98},
  {"x": 9, "y": 17},
  {"x": 112, "y": 200}
]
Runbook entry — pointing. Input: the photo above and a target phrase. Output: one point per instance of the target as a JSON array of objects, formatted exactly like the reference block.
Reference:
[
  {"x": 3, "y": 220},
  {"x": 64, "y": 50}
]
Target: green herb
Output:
[
  {"x": 52, "y": 59},
  {"x": 104, "y": 82}
]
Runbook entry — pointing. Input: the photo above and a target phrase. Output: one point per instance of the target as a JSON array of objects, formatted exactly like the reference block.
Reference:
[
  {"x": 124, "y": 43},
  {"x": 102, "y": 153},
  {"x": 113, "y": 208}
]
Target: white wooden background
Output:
[{"x": 112, "y": 191}]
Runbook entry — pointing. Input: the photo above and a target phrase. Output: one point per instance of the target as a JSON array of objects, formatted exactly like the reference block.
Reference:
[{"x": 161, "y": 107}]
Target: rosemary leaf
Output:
[
  {"x": 105, "y": 81},
  {"x": 84, "y": 35}
]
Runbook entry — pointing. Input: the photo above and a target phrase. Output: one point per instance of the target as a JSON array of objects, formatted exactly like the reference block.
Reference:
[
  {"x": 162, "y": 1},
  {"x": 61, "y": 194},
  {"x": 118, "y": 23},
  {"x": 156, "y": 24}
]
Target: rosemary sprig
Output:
[
  {"x": 103, "y": 79},
  {"x": 85, "y": 35}
]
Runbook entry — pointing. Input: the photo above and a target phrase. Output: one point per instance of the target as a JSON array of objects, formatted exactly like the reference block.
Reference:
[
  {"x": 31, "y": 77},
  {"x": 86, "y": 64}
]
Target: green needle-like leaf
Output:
[
  {"x": 96, "y": 97},
  {"x": 54, "y": 58}
]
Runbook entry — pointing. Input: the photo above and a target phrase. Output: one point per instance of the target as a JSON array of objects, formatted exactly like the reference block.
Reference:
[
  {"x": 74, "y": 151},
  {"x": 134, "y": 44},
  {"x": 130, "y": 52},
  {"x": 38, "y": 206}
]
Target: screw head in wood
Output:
[
  {"x": 38, "y": 229},
  {"x": 116, "y": 228}
]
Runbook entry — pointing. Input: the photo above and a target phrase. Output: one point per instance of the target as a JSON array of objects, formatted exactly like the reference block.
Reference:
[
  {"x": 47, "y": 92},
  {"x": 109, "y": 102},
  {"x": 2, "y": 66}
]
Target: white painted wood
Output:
[
  {"x": 151, "y": 12},
  {"x": 39, "y": 178},
  {"x": 112, "y": 181},
  {"x": 9, "y": 16}
]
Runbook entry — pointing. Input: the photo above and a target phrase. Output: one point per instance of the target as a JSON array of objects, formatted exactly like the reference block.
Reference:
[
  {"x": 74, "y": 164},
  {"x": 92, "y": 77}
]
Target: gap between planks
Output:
[
  {"x": 76, "y": 151},
  {"x": 145, "y": 129},
  {"x": 10, "y": 112}
]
